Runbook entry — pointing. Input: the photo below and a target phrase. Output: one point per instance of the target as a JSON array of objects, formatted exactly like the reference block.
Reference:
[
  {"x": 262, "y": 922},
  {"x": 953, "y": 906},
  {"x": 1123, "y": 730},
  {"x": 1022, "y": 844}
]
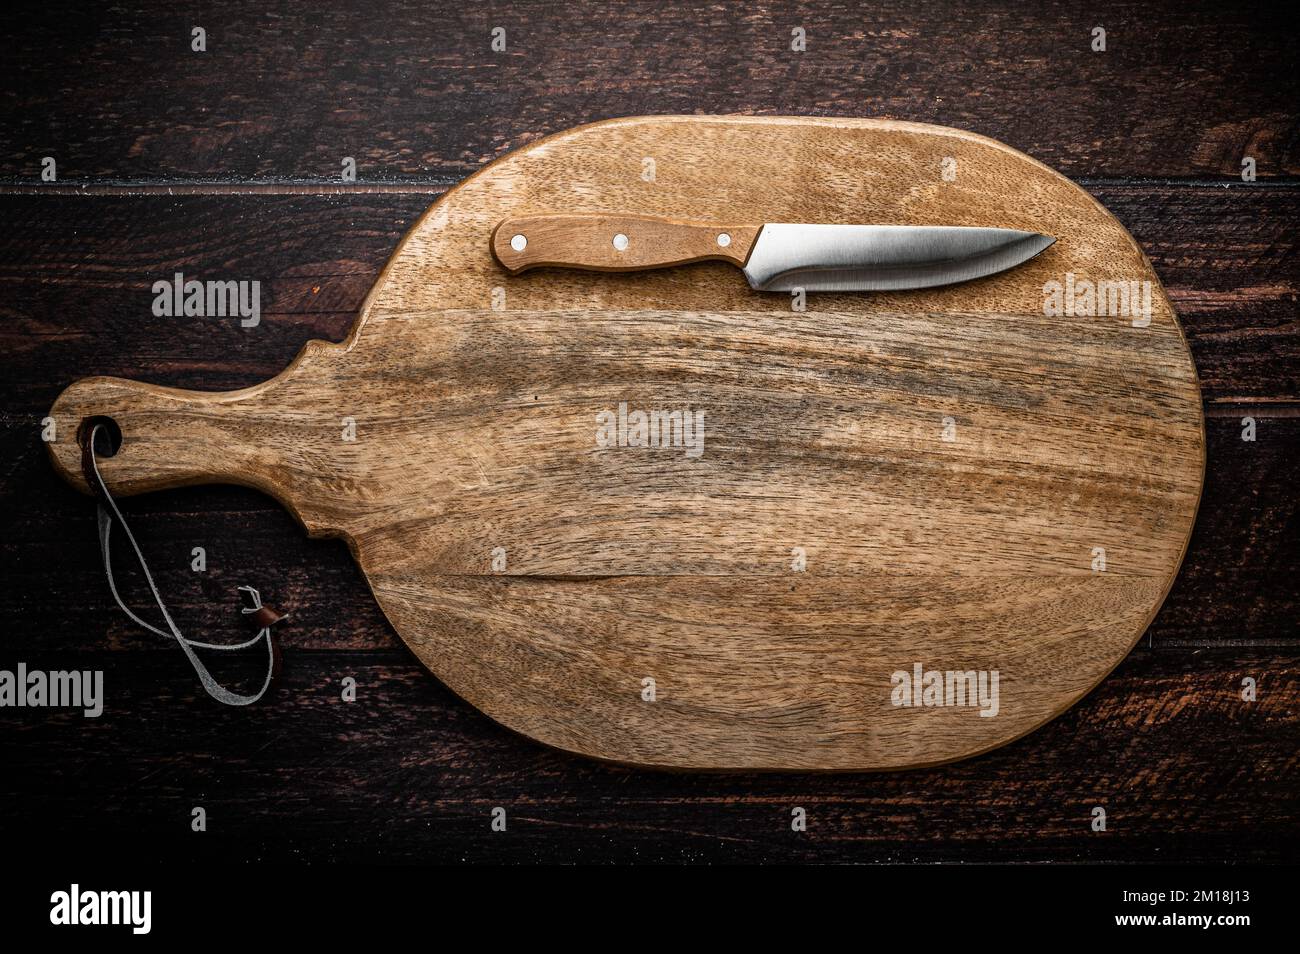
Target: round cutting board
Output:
[{"x": 906, "y": 527}]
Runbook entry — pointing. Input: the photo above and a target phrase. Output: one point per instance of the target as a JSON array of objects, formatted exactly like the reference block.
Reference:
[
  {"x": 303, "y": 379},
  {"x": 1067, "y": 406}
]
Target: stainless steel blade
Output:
[{"x": 883, "y": 257}]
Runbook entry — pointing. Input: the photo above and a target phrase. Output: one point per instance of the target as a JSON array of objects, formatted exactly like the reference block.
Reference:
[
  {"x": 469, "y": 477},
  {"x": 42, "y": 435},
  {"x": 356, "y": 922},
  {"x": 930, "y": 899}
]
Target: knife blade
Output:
[{"x": 773, "y": 256}]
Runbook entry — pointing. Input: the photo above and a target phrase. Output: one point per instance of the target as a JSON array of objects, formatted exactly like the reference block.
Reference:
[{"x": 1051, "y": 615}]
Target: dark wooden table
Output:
[{"x": 225, "y": 164}]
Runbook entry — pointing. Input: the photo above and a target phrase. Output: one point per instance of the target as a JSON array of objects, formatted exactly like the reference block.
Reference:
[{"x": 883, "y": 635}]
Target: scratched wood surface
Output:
[
  {"x": 416, "y": 92},
  {"x": 1189, "y": 771}
]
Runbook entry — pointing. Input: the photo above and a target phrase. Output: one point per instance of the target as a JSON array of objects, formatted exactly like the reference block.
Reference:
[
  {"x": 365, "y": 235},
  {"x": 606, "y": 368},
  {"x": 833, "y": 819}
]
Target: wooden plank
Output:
[
  {"x": 1228, "y": 260},
  {"x": 76, "y": 271},
  {"x": 415, "y": 92},
  {"x": 1185, "y": 770},
  {"x": 1236, "y": 586},
  {"x": 76, "y": 274},
  {"x": 1237, "y": 582}
]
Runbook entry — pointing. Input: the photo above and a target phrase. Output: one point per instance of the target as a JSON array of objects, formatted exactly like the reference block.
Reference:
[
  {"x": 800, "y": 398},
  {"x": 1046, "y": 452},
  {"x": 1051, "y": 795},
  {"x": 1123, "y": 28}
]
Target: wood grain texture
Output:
[
  {"x": 1082, "y": 433},
  {"x": 409, "y": 774},
  {"x": 1235, "y": 588},
  {"x": 1185, "y": 769},
  {"x": 77, "y": 271},
  {"x": 414, "y": 91},
  {"x": 591, "y": 242}
]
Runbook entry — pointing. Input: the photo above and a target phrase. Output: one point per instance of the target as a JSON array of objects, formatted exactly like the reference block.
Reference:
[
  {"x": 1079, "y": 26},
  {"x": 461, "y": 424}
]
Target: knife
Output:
[{"x": 774, "y": 257}]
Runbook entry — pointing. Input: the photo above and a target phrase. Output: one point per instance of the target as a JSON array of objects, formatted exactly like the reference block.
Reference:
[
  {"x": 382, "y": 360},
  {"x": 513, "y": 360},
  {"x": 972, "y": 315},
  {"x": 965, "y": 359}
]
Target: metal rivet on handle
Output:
[
  {"x": 724, "y": 240},
  {"x": 620, "y": 241},
  {"x": 518, "y": 243}
]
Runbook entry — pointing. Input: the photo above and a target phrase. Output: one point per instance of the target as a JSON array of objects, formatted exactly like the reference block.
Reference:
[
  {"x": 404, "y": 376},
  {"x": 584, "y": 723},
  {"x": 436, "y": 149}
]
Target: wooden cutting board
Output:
[{"x": 888, "y": 485}]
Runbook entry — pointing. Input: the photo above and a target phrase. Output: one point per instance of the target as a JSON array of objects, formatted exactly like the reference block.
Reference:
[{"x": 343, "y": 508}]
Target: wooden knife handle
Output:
[{"x": 616, "y": 243}]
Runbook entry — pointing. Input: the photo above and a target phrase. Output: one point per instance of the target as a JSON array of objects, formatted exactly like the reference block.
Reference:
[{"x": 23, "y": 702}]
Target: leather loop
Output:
[{"x": 264, "y": 617}]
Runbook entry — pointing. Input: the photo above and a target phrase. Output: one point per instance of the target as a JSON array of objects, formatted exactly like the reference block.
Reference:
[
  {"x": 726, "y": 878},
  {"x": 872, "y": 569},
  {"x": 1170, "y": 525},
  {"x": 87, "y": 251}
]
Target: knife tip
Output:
[{"x": 1039, "y": 242}]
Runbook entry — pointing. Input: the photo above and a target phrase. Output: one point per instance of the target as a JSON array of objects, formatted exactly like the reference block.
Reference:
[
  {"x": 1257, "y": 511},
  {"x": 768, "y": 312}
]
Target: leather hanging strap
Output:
[{"x": 264, "y": 617}]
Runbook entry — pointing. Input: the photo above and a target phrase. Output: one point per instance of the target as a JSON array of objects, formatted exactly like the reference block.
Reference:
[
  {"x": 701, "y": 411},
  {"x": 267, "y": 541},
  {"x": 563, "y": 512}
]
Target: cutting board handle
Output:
[
  {"x": 169, "y": 437},
  {"x": 616, "y": 243}
]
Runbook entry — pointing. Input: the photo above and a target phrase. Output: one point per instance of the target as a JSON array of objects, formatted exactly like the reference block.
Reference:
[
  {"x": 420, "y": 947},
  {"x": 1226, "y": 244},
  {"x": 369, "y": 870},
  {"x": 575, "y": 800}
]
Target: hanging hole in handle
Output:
[{"x": 108, "y": 439}]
